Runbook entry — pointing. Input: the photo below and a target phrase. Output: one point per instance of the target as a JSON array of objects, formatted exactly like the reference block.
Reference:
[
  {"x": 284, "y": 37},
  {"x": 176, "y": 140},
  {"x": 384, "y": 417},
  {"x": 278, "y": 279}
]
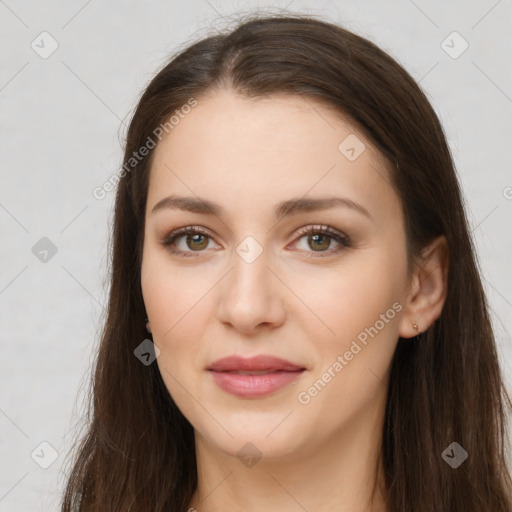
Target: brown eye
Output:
[
  {"x": 194, "y": 241},
  {"x": 319, "y": 241}
]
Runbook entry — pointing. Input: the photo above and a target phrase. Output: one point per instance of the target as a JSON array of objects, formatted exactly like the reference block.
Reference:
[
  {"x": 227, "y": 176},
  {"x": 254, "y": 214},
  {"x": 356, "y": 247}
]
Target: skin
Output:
[{"x": 248, "y": 155}]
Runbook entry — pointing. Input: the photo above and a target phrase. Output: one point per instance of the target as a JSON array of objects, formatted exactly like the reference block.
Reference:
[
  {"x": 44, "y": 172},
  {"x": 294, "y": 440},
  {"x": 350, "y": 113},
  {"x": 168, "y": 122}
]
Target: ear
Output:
[{"x": 427, "y": 289}]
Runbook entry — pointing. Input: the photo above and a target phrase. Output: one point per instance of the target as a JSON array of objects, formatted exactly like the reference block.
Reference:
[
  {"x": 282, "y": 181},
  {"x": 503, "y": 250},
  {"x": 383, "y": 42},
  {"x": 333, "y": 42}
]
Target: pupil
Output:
[
  {"x": 316, "y": 237},
  {"x": 196, "y": 240}
]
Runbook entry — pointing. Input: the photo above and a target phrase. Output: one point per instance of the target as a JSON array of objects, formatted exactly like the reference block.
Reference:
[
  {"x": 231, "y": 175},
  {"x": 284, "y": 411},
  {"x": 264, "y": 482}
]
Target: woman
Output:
[{"x": 296, "y": 320}]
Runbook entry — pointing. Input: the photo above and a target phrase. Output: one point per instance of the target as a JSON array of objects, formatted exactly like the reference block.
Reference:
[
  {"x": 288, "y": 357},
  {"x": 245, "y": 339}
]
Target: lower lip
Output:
[{"x": 253, "y": 386}]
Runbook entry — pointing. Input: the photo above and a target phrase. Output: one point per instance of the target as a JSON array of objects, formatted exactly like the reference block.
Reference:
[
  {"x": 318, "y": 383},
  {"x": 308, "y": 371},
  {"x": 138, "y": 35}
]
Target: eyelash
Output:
[{"x": 343, "y": 240}]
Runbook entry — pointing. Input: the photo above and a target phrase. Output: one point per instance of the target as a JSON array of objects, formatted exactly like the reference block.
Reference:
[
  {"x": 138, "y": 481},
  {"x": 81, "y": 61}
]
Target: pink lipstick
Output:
[{"x": 253, "y": 377}]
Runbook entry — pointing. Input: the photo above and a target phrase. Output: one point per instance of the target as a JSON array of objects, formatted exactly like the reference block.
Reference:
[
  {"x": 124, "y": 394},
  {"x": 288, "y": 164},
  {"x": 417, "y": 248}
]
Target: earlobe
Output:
[{"x": 428, "y": 290}]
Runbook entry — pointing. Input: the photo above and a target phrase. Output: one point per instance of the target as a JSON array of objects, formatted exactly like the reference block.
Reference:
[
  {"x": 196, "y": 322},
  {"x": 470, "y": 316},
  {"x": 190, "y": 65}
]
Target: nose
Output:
[{"x": 251, "y": 296}]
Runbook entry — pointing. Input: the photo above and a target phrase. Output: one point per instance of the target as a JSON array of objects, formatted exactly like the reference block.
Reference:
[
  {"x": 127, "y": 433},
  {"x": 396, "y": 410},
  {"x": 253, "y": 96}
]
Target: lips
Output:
[
  {"x": 254, "y": 365},
  {"x": 255, "y": 377}
]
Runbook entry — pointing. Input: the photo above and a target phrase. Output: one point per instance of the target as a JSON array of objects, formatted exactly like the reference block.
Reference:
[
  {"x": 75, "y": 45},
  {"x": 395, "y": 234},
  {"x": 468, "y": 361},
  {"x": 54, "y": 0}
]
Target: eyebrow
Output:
[{"x": 283, "y": 209}]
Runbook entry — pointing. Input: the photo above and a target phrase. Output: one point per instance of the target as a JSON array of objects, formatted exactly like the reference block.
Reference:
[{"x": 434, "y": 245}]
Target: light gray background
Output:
[{"x": 59, "y": 138}]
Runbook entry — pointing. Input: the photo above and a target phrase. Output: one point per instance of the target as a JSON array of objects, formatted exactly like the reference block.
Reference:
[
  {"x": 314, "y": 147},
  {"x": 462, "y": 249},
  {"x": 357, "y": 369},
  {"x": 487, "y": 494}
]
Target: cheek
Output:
[
  {"x": 353, "y": 359},
  {"x": 347, "y": 299},
  {"x": 170, "y": 293},
  {"x": 177, "y": 305},
  {"x": 359, "y": 306}
]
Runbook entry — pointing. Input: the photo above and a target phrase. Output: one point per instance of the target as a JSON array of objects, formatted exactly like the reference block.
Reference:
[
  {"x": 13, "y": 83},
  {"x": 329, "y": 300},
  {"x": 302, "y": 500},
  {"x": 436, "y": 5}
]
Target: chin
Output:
[{"x": 258, "y": 438}]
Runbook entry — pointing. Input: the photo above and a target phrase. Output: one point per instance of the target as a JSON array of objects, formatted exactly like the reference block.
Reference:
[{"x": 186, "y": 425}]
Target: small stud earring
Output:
[{"x": 416, "y": 328}]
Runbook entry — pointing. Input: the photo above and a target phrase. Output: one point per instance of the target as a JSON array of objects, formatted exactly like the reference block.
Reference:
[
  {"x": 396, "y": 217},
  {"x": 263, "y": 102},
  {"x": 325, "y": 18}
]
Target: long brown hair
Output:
[{"x": 138, "y": 452}]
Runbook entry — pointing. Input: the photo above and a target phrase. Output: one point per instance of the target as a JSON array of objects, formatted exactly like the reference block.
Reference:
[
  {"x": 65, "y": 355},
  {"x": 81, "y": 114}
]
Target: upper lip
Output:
[{"x": 256, "y": 363}]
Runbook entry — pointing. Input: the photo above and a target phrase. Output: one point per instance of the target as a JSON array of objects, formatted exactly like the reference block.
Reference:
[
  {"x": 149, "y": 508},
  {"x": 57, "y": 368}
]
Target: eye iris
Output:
[
  {"x": 316, "y": 244},
  {"x": 194, "y": 237}
]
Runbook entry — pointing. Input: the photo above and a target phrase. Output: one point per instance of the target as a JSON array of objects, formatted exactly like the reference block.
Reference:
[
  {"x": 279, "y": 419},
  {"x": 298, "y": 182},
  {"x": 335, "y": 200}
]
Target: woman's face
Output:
[{"x": 254, "y": 282}]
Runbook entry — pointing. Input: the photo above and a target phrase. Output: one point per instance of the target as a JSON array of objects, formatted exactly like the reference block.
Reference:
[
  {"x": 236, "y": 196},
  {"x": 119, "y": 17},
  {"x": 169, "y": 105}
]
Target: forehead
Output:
[{"x": 258, "y": 151}]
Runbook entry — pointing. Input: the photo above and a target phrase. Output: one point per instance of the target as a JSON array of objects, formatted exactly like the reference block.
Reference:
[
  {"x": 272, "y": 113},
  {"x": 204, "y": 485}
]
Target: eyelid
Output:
[
  {"x": 169, "y": 239},
  {"x": 343, "y": 240}
]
